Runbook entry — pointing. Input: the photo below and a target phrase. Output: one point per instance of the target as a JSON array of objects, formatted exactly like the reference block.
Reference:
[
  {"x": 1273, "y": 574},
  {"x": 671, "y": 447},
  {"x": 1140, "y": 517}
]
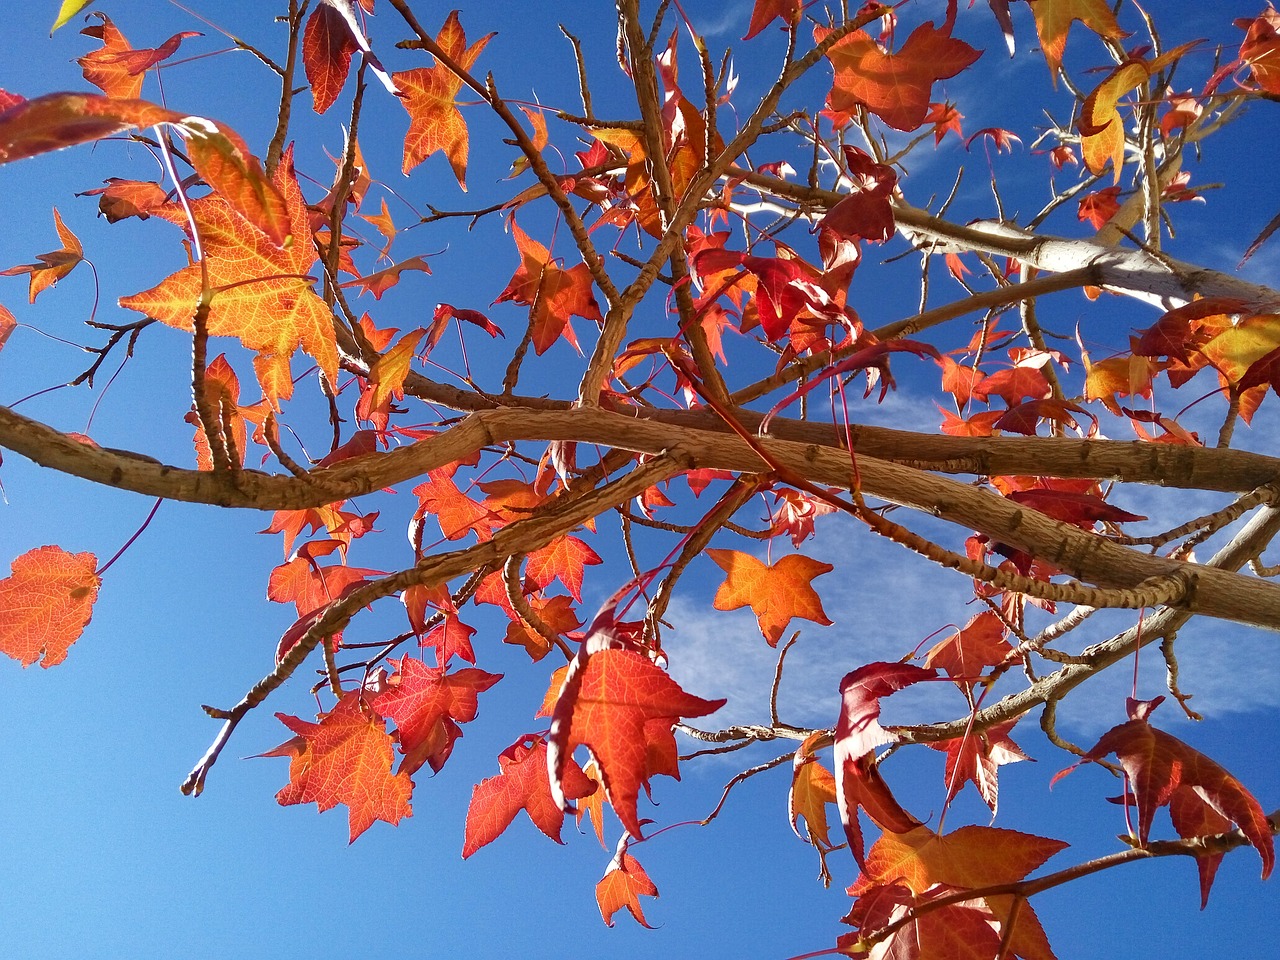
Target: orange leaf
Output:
[
  {"x": 623, "y": 886},
  {"x": 812, "y": 788},
  {"x": 456, "y": 513},
  {"x": 775, "y": 594},
  {"x": 554, "y": 293},
  {"x": 45, "y": 604},
  {"x": 967, "y": 858},
  {"x": 382, "y": 281},
  {"x": 429, "y": 94},
  {"x": 104, "y": 68},
  {"x": 896, "y": 87},
  {"x": 966, "y": 654},
  {"x": 1053, "y": 21},
  {"x": 8, "y": 324},
  {"x": 556, "y": 613},
  {"x": 606, "y": 703},
  {"x": 344, "y": 758},
  {"x": 565, "y": 560},
  {"x": 127, "y": 198},
  {"x": 51, "y": 267},
  {"x": 387, "y": 373},
  {"x": 261, "y": 295},
  {"x": 522, "y": 784},
  {"x": 976, "y": 757},
  {"x": 222, "y": 389}
]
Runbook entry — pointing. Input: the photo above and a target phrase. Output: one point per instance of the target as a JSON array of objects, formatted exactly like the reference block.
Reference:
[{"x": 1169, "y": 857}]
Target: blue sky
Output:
[{"x": 101, "y": 857}]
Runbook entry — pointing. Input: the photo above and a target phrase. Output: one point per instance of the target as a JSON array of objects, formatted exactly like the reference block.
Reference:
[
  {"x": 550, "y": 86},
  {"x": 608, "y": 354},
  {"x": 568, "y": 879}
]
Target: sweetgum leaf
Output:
[{"x": 607, "y": 701}]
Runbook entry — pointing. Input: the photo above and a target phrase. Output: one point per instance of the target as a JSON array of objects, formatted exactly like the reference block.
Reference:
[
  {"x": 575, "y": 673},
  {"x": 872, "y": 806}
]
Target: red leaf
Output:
[
  {"x": 858, "y": 733},
  {"x": 522, "y": 784},
  {"x": 766, "y": 11},
  {"x": 976, "y": 757},
  {"x": 327, "y": 47},
  {"x": 418, "y": 697},
  {"x": 1082, "y": 509},
  {"x": 1157, "y": 764},
  {"x": 565, "y": 560},
  {"x": 606, "y": 703},
  {"x": 866, "y": 213}
]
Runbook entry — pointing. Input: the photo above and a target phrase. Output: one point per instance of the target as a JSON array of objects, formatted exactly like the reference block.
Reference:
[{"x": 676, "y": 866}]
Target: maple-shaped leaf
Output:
[
  {"x": 1157, "y": 763},
  {"x": 968, "y": 858},
  {"x": 766, "y": 11},
  {"x": 341, "y": 525},
  {"x": 456, "y": 512},
  {"x": 976, "y": 757},
  {"x": 521, "y": 785},
  {"x": 858, "y": 733},
  {"x": 430, "y": 94},
  {"x": 310, "y": 586},
  {"x": 117, "y": 69},
  {"x": 966, "y": 654},
  {"x": 327, "y": 48},
  {"x": 50, "y": 267},
  {"x": 795, "y": 513},
  {"x": 345, "y": 758},
  {"x": 418, "y": 697},
  {"x": 1099, "y": 207},
  {"x": 566, "y": 560},
  {"x": 104, "y": 67},
  {"x": 556, "y": 613},
  {"x": 622, "y": 886},
  {"x": 812, "y": 788},
  {"x": 896, "y": 87},
  {"x": 452, "y": 638},
  {"x": 606, "y": 703},
  {"x": 1192, "y": 816},
  {"x": 555, "y": 294},
  {"x": 776, "y": 593},
  {"x": 45, "y": 604},
  {"x": 1053, "y": 21},
  {"x": 262, "y": 294},
  {"x": 966, "y": 930},
  {"x": 388, "y": 370}
]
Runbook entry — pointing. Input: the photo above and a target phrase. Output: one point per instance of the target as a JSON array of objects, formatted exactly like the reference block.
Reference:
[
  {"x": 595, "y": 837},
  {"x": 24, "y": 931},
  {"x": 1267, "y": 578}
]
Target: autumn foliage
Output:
[{"x": 675, "y": 336}]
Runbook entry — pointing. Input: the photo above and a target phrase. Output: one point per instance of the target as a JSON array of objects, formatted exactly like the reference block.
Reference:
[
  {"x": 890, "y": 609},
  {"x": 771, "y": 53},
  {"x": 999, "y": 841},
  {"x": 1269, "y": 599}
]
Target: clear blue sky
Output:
[{"x": 101, "y": 857}]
